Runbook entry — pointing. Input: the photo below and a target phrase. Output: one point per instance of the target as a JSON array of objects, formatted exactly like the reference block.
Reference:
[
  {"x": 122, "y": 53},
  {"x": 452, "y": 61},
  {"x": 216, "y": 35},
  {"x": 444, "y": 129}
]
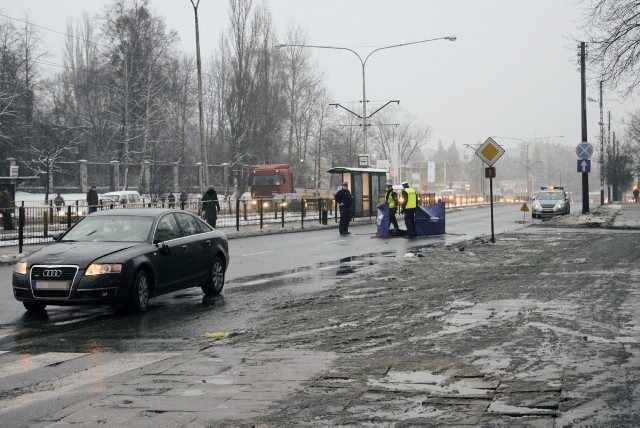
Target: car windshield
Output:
[
  {"x": 550, "y": 196},
  {"x": 116, "y": 228}
]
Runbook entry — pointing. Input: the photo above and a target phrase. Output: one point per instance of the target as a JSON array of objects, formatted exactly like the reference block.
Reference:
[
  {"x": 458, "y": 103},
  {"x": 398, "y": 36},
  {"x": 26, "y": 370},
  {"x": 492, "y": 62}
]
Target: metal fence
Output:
[{"x": 38, "y": 223}]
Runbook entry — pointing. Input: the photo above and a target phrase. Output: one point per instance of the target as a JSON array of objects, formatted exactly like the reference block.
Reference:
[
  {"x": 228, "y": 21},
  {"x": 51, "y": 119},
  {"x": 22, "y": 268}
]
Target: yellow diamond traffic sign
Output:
[{"x": 489, "y": 152}]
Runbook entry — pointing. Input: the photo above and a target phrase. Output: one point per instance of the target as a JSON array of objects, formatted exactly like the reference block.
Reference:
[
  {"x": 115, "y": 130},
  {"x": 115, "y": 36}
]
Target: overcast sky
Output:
[{"x": 513, "y": 70}]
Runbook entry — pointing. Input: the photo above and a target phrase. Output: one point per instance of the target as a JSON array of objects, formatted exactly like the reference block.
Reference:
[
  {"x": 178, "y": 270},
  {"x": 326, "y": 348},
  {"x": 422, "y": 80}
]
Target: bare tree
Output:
[
  {"x": 47, "y": 144},
  {"x": 138, "y": 43},
  {"x": 613, "y": 37},
  {"x": 180, "y": 97},
  {"x": 11, "y": 87},
  {"x": 620, "y": 166},
  {"x": 303, "y": 90},
  {"x": 18, "y": 54},
  {"x": 85, "y": 76},
  {"x": 243, "y": 46},
  {"x": 394, "y": 127}
]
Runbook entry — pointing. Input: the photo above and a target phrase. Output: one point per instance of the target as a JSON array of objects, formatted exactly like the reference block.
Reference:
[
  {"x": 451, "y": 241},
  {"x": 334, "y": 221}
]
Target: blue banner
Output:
[
  {"x": 382, "y": 220},
  {"x": 430, "y": 220}
]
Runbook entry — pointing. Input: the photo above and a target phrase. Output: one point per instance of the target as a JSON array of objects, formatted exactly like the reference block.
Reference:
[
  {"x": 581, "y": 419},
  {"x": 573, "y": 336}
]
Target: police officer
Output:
[
  {"x": 343, "y": 201},
  {"x": 409, "y": 205},
  {"x": 391, "y": 198}
]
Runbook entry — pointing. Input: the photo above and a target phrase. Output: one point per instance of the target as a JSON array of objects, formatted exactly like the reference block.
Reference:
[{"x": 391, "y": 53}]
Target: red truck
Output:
[{"x": 269, "y": 180}]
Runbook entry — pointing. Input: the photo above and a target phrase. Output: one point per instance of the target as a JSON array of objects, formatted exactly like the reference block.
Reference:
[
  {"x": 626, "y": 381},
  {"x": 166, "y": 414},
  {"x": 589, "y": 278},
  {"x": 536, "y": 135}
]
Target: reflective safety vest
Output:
[
  {"x": 412, "y": 201},
  {"x": 390, "y": 200}
]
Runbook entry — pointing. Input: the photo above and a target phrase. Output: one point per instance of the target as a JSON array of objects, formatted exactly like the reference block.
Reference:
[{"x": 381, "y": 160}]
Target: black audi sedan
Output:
[{"x": 122, "y": 258}]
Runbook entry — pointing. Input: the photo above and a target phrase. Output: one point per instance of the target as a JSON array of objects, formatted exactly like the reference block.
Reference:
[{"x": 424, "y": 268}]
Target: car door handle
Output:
[
  {"x": 184, "y": 247},
  {"x": 208, "y": 242}
]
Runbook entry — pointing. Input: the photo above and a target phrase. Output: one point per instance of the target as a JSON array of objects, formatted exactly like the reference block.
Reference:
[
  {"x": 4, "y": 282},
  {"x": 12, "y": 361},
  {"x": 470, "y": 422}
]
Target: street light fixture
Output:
[
  {"x": 528, "y": 165},
  {"x": 363, "y": 63}
]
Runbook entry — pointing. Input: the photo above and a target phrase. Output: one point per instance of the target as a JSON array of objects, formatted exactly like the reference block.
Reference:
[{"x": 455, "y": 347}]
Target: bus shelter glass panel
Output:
[
  {"x": 379, "y": 187},
  {"x": 366, "y": 194},
  {"x": 356, "y": 193}
]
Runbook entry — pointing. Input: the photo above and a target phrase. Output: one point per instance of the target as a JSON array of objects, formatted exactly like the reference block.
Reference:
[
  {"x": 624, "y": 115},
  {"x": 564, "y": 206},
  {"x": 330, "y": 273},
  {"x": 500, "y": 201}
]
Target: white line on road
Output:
[
  {"x": 333, "y": 242},
  {"x": 255, "y": 254},
  {"x": 36, "y": 361},
  {"x": 73, "y": 321},
  {"x": 54, "y": 387}
]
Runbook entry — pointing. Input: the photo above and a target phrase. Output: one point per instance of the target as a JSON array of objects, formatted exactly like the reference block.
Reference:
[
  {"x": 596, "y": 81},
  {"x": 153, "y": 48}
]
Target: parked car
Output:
[
  {"x": 123, "y": 197},
  {"x": 123, "y": 258},
  {"x": 550, "y": 201}
]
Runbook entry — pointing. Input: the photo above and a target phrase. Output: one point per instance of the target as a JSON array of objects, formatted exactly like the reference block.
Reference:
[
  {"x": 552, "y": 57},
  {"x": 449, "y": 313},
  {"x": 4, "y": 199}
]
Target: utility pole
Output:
[
  {"x": 601, "y": 150},
  {"x": 609, "y": 157},
  {"x": 583, "y": 91},
  {"x": 203, "y": 149}
]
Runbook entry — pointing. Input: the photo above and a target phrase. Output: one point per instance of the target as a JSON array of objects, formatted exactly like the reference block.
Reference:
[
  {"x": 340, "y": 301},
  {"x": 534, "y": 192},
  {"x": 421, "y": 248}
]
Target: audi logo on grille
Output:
[{"x": 52, "y": 273}]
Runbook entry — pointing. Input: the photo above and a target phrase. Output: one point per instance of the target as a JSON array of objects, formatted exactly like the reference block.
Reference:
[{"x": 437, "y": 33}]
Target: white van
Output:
[{"x": 124, "y": 197}]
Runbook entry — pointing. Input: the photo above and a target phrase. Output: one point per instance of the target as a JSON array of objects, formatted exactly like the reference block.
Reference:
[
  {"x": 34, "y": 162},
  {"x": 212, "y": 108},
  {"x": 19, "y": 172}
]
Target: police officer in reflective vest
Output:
[
  {"x": 391, "y": 199},
  {"x": 409, "y": 205}
]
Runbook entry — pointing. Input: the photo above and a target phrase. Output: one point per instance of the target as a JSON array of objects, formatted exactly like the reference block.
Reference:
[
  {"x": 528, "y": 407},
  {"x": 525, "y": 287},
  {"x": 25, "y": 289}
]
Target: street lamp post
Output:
[
  {"x": 204, "y": 177},
  {"x": 528, "y": 164},
  {"x": 363, "y": 63}
]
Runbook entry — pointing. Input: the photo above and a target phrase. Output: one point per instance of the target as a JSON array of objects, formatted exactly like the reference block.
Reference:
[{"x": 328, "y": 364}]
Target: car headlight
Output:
[
  {"x": 560, "y": 205},
  {"x": 102, "y": 268},
  {"x": 21, "y": 268},
  {"x": 536, "y": 205}
]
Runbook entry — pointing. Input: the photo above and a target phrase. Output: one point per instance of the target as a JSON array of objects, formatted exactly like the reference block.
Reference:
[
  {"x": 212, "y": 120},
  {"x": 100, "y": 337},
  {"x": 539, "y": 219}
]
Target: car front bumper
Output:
[{"x": 108, "y": 289}]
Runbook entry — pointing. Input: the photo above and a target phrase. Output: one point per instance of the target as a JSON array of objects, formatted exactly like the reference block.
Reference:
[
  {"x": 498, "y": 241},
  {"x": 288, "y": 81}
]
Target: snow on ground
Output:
[{"x": 598, "y": 216}]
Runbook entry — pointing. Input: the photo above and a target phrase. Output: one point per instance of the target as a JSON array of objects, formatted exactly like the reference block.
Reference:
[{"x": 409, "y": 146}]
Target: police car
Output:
[{"x": 550, "y": 201}]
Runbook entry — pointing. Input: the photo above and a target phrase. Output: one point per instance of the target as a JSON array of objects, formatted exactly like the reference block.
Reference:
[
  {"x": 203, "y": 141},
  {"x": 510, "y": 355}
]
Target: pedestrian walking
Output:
[
  {"x": 409, "y": 205},
  {"x": 6, "y": 207},
  {"x": 58, "y": 201},
  {"x": 343, "y": 201},
  {"x": 636, "y": 192},
  {"x": 92, "y": 199},
  {"x": 210, "y": 206},
  {"x": 172, "y": 200},
  {"x": 391, "y": 198}
]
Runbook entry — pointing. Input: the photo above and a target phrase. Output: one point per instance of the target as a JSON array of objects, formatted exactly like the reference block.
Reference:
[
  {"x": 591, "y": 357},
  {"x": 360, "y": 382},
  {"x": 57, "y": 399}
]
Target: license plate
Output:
[{"x": 52, "y": 285}]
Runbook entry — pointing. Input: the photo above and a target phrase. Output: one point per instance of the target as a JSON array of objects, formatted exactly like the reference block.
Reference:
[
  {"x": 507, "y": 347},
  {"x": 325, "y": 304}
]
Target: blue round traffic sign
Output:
[{"x": 584, "y": 150}]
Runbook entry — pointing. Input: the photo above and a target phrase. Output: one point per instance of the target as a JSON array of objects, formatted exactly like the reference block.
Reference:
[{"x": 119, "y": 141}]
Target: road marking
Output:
[
  {"x": 73, "y": 321},
  {"x": 255, "y": 254},
  {"x": 36, "y": 361},
  {"x": 333, "y": 242},
  {"x": 53, "y": 387}
]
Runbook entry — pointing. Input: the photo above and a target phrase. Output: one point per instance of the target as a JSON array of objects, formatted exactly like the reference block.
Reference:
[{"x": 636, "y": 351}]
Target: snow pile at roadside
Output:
[{"x": 600, "y": 216}]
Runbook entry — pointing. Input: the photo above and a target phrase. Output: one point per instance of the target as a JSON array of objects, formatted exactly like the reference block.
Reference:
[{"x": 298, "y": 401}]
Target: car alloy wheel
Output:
[
  {"x": 216, "y": 280},
  {"x": 140, "y": 292}
]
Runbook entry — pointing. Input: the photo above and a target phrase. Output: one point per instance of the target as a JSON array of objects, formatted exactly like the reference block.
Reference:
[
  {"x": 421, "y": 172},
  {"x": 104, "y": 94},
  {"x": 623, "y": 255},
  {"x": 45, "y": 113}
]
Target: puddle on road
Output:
[{"x": 310, "y": 278}]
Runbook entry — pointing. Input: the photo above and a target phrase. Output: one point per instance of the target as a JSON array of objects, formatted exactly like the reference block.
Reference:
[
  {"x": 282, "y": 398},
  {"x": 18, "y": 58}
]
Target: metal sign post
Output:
[
  {"x": 584, "y": 151},
  {"x": 490, "y": 152}
]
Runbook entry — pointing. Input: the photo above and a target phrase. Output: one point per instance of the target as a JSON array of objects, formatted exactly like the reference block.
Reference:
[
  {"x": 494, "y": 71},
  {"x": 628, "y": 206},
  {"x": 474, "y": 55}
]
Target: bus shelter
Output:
[{"x": 367, "y": 185}]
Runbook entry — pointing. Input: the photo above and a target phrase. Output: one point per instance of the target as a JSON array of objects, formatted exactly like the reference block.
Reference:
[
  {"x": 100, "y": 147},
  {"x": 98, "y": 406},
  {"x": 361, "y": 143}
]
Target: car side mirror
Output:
[
  {"x": 163, "y": 249},
  {"x": 57, "y": 236}
]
